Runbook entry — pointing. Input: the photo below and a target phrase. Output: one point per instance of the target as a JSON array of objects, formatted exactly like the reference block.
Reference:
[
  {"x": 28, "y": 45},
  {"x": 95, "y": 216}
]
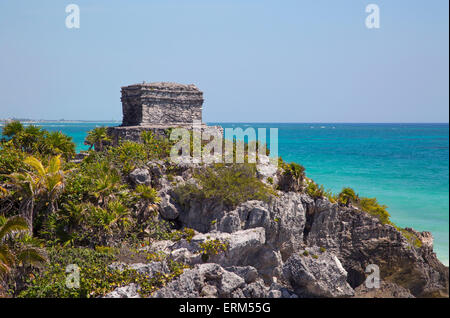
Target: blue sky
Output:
[{"x": 255, "y": 60}]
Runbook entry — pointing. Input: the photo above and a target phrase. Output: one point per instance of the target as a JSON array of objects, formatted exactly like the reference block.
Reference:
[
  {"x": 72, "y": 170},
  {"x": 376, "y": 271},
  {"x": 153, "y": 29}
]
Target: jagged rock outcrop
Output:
[
  {"x": 140, "y": 176},
  {"x": 212, "y": 280},
  {"x": 266, "y": 240},
  {"x": 128, "y": 291},
  {"x": 317, "y": 274},
  {"x": 359, "y": 239},
  {"x": 244, "y": 248},
  {"x": 283, "y": 219}
]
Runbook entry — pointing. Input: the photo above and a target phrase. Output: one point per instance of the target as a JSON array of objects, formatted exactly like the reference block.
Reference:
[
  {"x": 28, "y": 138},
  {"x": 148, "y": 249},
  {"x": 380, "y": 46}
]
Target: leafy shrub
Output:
[
  {"x": 186, "y": 233},
  {"x": 371, "y": 206},
  {"x": 157, "y": 147},
  {"x": 348, "y": 196},
  {"x": 318, "y": 191},
  {"x": 294, "y": 169},
  {"x": 228, "y": 184},
  {"x": 12, "y": 128},
  {"x": 411, "y": 237},
  {"x": 212, "y": 247},
  {"x": 128, "y": 156},
  {"x": 40, "y": 143},
  {"x": 11, "y": 159}
]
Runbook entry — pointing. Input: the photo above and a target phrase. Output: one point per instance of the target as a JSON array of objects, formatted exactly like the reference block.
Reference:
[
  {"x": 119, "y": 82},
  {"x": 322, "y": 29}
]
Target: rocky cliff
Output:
[{"x": 291, "y": 246}]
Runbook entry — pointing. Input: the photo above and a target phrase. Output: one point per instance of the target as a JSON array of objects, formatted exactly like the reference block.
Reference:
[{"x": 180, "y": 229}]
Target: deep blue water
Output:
[{"x": 405, "y": 166}]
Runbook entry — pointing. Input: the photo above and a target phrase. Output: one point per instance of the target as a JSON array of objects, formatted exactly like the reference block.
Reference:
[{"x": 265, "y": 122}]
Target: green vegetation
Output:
[
  {"x": 371, "y": 206},
  {"x": 212, "y": 247},
  {"x": 295, "y": 170},
  {"x": 33, "y": 140},
  {"x": 347, "y": 196},
  {"x": 96, "y": 277},
  {"x": 88, "y": 213},
  {"x": 70, "y": 209},
  {"x": 318, "y": 191},
  {"x": 411, "y": 237},
  {"x": 229, "y": 184},
  {"x": 15, "y": 248},
  {"x": 292, "y": 177},
  {"x": 97, "y": 137}
]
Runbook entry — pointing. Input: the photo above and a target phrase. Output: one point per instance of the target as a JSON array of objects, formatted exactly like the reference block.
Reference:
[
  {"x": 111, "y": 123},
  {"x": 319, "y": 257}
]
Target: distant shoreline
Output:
[
  {"x": 44, "y": 121},
  {"x": 48, "y": 121}
]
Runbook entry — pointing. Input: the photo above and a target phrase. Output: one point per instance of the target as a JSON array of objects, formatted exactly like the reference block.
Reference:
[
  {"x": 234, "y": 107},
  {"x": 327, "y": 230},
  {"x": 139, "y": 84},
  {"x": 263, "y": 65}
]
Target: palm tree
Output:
[
  {"x": 348, "y": 196},
  {"x": 96, "y": 137},
  {"x": 150, "y": 200},
  {"x": 38, "y": 181},
  {"x": 12, "y": 253},
  {"x": 105, "y": 179},
  {"x": 12, "y": 128},
  {"x": 58, "y": 143},
  {"x": 30, "y": 139}
]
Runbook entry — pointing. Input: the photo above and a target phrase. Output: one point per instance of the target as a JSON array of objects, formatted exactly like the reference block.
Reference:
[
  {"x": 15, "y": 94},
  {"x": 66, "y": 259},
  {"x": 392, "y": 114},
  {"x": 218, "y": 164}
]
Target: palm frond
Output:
[
  {"x": 3, "y": 191},
  {"x": 54, "y": 165},
  {"x": 32, "y": 256},
  {"x": 7, "y": 258},
  {"x": 12, "y": 225},
  {"x": 36, "y": 164}
]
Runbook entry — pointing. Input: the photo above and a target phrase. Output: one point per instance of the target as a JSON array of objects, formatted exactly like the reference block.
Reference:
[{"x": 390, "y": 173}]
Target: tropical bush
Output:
[
  {"x": 292, "y": 177},
  {"x": 212, "y": 247},
  {"x": 372, "y": 207},
  {"x": 347, "y": 197},
  {"x": 97, "y": 137},
  {"x": 35, "y": 141},
  {"x": 15, "y": 249},
  {"x": 228, "y": 184},
  {"x": 318, "y": 191}
]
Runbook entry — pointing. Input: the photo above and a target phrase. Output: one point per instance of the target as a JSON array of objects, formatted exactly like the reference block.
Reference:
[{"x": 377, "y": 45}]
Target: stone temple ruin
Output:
[{"x": 157, "y": 107}]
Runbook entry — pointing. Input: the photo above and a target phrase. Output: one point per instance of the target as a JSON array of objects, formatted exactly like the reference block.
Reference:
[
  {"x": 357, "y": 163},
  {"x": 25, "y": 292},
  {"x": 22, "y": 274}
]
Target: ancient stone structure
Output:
[
  {"x": 161, "y": 104},
  {"x": 156, "y": 107}
]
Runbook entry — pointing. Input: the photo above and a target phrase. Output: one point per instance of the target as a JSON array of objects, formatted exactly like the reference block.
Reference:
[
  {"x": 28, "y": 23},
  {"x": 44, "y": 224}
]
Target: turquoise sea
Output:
[{"x": 405, "y": 166}]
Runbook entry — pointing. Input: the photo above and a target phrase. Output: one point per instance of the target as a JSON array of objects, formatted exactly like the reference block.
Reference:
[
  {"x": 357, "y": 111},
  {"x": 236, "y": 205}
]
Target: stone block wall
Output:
[{"x": 161, "y": 104}]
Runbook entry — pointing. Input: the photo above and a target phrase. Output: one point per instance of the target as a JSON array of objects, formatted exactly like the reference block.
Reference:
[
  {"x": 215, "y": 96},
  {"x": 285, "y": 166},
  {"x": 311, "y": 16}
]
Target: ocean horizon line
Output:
[{"x": 231, "y": 122}]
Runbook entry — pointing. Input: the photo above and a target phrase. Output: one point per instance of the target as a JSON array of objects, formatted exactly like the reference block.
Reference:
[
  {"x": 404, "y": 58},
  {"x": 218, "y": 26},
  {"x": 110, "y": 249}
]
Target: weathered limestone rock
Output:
[
  {"x": 319, "y": 274},
  {"x": 129, "y": 291},
  {"x": 243, "y": 248},
  {"x": 386, "y": 290},
  {"x": 283, "y": 219},
  {"x": 140, "y": 176},
  {"x": 212, "y": 280},
  {"x": 204, "y": 280},
  {"x": 168, "y": 209},
  {"x": 359, "y": 239},
  {"x": 149, "y": 269},
  {"x": 265, "y": 169}
]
